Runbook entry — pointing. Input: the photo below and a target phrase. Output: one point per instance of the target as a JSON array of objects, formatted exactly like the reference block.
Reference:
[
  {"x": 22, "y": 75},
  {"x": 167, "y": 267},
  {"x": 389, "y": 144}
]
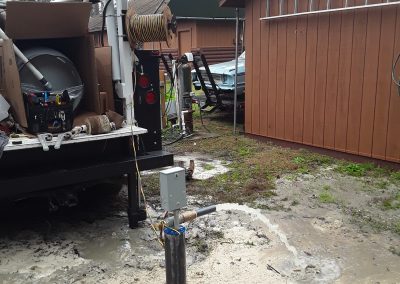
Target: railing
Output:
[{"x": 311, "y": 9}]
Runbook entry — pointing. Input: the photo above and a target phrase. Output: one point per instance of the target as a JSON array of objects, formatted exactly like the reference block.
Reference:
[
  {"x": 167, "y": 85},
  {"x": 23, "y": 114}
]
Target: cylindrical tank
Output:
[
  {"x": 56, "y": 68},
  {"x": 185, "y": 86}
]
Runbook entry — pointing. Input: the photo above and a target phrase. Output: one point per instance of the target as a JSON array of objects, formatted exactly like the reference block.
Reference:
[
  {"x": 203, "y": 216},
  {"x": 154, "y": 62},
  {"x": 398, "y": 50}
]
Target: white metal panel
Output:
[{"x": 28, "y": 143}]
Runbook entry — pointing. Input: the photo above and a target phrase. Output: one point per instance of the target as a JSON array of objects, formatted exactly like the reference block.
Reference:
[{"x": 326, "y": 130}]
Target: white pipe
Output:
[
  {"x": 39, "y": 76},
  {"x": 332, "y": 10},
  {"x": 177, "y": 103},
  {"x": 208, "y": 18},
  {"x": 112, "y": 37}
]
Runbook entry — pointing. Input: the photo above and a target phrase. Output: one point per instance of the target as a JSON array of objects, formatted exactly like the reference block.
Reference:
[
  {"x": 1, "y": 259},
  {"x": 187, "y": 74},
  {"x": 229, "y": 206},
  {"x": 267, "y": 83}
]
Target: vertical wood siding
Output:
[{"x": 324, "y": 80}]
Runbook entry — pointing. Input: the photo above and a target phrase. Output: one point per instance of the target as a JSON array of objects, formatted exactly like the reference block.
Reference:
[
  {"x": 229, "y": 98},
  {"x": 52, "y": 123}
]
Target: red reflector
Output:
[
  {"x": 143, "y": 81},
  {"x": 150, "y": 97}
]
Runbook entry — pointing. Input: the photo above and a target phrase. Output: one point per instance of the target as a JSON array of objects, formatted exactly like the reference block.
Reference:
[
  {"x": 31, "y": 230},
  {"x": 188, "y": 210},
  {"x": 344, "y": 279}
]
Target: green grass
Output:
[
  {"x": 392, "y": 203},
  {"x": 383, "y": 184},
  {"x": 208, "y": 167},
  {"x": 353, "y": 169},
  {"x": 326, "y": 197},
  {"x": 326, "y": 187},
  {"x": 395, "y": 176}
]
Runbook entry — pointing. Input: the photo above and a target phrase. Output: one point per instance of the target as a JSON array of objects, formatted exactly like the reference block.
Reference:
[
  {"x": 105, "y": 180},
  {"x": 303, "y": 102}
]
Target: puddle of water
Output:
[
  {"x": 329, "y": 269},
  {"x": 205, "y": 168}
]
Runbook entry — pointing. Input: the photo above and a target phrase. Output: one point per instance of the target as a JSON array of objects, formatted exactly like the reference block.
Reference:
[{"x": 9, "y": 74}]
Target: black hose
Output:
[
  {"x": 103, "y": 26},
  {"x": 177, "y": 140}
]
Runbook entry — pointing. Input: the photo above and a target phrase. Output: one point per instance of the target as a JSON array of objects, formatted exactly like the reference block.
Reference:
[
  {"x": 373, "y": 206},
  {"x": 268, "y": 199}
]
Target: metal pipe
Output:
[
  {"x": 331, "y": 10},
  {"x": 187, "y": 216},
  {"x": 176, "y": 219},
  {"x": 236, "y": 71},
  {"x": 208, "y": 18},
  {"x": 112, "y": 36},
  {"x": 267, "y": 8},
  {"x": 36, "y": 73},
  {"x": 175, "y": 256}
]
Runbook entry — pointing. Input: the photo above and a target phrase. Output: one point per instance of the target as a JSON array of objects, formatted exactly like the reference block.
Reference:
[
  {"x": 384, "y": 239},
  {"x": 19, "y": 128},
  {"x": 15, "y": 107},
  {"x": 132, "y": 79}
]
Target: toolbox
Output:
[{"x": 48, "y": 112}]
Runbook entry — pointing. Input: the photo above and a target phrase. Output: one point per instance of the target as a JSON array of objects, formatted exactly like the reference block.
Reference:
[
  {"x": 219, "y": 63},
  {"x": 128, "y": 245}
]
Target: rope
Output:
[{"x": 150, "y": 28}]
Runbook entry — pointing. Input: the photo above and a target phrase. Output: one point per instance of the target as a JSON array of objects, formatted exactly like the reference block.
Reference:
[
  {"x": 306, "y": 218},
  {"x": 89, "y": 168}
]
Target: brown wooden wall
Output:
[
  {"x": 215, "y": 33},
  {"x": 324, "y": 80}
]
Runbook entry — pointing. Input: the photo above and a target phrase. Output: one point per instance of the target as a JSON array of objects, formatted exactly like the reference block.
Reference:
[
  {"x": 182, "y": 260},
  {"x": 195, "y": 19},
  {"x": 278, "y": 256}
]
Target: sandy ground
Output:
[{"x": 290, "y": 238}]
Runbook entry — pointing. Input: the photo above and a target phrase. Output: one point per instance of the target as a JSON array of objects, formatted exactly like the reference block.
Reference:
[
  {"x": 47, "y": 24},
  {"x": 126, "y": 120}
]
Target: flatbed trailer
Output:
[{"x": 25, "y": 169}]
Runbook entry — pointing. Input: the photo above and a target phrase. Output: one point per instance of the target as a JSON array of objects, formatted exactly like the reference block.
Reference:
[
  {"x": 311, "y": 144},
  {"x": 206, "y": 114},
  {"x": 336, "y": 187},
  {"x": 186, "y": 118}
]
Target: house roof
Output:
[
  {"x": 232, "y": 3},
  {"x": 180, "y": 8},
  {"x": 199, "y": 9}
]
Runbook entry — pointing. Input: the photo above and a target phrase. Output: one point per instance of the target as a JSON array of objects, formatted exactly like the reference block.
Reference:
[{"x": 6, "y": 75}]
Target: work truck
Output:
[{"x": 43, "y": 162}]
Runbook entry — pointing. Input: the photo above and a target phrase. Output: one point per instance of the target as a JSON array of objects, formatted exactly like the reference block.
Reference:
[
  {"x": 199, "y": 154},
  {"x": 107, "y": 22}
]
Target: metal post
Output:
[
  {"x": 267, "y": 8},
  {"x": 281, "y": 7},
  {"x": 295, "y": 6},
  {"x": 236, "y": 71},
  {"x": 311, "y": 5}
]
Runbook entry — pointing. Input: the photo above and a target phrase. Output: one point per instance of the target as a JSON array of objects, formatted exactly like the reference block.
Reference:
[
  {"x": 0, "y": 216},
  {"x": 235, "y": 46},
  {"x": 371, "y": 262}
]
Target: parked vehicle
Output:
[{"x": 224, "y": 76}]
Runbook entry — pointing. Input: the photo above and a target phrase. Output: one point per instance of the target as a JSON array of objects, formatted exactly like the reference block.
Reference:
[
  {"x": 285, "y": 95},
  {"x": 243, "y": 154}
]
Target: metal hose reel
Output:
[
  {"x": 58, "y": 70},
  {"x": 150, "y": 28}
]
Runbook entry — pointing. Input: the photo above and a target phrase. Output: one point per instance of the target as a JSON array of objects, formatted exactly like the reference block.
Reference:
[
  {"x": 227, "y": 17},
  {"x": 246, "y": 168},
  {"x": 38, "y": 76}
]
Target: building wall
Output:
[
  {"x": 215, "y": 33},
  {"x": 216, "y": 39},
  {"x": 324, "y": 80}
]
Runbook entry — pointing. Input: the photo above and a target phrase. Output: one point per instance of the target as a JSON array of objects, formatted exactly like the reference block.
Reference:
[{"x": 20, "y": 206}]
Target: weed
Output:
[
  {"x": 352, "y": 169},
  {"x": 217, "y": 234},
  {"x": 395, "y": 176},
  {"x": 294, "y": 203},
  {"x": 326, "y": 187},
  {"x": 244, "y": 151},
  {"x": 392, "y": 203},
  {"x": 383, "y": 184},
  {"x": 201, "y": 246},
  {"x": 303, "y": 170},
  {"x": 208, "y": 167},
  {"x": 395, "y": 251},
  {"x": 397, "y": 228},
  {"x": 299, "y": 160},
  {"x": 326, "y": 197}
]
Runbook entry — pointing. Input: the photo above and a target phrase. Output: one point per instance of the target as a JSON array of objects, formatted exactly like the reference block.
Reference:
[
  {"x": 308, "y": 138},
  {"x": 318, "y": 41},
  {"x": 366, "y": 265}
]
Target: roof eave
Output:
[{"x": 232, "y": 3}]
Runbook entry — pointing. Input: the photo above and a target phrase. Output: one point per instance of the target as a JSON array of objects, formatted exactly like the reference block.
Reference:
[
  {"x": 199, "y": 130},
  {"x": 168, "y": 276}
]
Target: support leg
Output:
[{"x": 135, "y": 214}]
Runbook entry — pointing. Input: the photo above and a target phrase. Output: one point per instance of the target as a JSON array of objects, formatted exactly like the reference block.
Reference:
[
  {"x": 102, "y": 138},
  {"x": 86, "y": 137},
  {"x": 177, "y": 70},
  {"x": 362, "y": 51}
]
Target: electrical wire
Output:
[
  {"x": 103, "y": 26},
  {"x": 395, "y": 80}
]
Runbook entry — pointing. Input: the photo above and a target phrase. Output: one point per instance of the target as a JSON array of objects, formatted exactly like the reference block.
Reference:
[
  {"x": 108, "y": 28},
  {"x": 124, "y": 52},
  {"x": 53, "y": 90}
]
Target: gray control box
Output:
[{"x": 173, "y": 189}]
